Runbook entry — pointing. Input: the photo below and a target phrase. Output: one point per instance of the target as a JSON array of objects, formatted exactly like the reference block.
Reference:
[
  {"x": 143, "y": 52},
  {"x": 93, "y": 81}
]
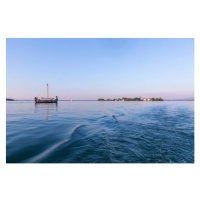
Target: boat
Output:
[{"x": 46, "y": 100}]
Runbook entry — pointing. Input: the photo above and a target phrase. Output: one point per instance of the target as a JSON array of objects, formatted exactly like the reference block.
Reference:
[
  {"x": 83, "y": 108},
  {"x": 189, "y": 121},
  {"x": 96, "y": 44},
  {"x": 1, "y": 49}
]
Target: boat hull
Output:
[{"x": 46, "y": 100}]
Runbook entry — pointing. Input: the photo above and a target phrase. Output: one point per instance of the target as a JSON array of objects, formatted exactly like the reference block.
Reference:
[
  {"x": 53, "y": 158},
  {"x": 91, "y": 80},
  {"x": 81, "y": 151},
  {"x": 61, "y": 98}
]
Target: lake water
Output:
[{"x": 100, "y": 132}]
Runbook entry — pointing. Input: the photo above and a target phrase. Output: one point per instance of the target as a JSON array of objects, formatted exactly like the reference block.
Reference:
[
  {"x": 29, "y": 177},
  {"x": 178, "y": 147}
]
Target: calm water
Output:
[{"x": 100, "y": 132}]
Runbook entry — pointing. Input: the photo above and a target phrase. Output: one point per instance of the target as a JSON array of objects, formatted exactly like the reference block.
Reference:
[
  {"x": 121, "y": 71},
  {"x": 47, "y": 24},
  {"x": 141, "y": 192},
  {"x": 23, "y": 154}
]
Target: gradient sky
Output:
[{"x": 89, "y": 69}]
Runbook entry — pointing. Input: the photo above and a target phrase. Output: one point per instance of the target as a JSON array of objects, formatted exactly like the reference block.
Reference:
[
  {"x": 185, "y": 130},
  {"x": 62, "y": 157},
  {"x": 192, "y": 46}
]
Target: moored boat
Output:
[{"x": 46, "y": 100}]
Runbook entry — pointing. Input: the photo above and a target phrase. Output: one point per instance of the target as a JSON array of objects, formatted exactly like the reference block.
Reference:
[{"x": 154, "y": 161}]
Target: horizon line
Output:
[{"x": 97, "y": 100}]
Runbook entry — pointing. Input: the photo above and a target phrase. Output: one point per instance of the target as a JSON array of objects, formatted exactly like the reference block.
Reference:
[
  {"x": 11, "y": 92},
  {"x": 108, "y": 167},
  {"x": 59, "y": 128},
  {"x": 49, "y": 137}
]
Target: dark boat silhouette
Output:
[{"x": 46, "y": 100}]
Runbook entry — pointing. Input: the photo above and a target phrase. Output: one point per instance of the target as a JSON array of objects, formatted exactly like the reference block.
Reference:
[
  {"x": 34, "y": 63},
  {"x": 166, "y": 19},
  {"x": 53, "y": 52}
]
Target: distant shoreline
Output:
[
  {"x": 132, "y": 99},
  {"x": 9, "y": 99},
  {"x": 97, "y": 100}
]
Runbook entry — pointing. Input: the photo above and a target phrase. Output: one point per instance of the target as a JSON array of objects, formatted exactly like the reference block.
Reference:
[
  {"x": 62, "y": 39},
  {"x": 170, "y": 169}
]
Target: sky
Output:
[{"x": 92, "y": 68}]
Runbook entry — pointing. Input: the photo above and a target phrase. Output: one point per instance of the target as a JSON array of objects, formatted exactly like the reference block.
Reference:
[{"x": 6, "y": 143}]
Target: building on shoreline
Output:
[{"x": 146, "y": 99}]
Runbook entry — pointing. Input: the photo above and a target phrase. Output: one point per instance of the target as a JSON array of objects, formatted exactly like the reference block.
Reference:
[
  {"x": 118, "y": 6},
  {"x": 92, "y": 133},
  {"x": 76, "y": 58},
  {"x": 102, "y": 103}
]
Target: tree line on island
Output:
[{"x": 132, "y": 99}]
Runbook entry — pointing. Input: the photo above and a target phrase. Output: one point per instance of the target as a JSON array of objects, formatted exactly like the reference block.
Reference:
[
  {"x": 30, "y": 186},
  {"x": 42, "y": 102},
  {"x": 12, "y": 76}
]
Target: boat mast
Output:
[{"x": 47, "y": 91}]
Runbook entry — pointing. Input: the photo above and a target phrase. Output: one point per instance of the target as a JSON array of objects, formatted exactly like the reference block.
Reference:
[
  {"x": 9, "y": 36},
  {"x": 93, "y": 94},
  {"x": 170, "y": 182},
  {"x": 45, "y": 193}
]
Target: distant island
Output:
[
  {"x": 132, "y": 99},
  {"x": 9, "y": 99}
]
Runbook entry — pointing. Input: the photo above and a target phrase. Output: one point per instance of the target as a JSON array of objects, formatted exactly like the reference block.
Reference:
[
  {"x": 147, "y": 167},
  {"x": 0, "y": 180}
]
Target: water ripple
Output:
[{"x": 101, "y": 132}]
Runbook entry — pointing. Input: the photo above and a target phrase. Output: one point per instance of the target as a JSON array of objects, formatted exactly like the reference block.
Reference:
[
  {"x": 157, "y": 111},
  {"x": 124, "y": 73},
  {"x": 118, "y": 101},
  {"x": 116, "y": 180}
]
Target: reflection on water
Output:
[
  {"x": 46, "y": 106},
  {"x": 100, "y": 132}
]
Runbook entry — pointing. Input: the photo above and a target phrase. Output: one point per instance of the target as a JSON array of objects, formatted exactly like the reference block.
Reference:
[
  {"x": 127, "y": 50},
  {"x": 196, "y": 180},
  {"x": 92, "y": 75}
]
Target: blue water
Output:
[{"x": 100, "y": 132}]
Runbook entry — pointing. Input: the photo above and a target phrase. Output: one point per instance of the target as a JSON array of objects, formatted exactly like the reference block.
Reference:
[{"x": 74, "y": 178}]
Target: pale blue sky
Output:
[{"x": 100, "y": 68}]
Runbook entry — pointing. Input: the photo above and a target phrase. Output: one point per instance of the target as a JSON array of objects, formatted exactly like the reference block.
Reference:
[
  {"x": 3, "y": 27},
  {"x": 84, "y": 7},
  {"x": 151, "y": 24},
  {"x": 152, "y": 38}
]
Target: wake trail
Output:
[
  {"x": 40, "y": 156},
  {"x": 45, "y": 153}
]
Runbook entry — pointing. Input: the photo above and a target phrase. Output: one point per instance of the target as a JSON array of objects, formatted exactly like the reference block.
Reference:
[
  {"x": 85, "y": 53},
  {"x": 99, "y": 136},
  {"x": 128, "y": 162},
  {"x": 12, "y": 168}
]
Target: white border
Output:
[{"x": 142, "y": 19}]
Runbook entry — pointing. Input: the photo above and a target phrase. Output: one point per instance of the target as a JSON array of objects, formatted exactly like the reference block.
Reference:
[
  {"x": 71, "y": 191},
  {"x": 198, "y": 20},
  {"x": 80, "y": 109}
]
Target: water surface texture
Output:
[{"x": 100, "y": 132}]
